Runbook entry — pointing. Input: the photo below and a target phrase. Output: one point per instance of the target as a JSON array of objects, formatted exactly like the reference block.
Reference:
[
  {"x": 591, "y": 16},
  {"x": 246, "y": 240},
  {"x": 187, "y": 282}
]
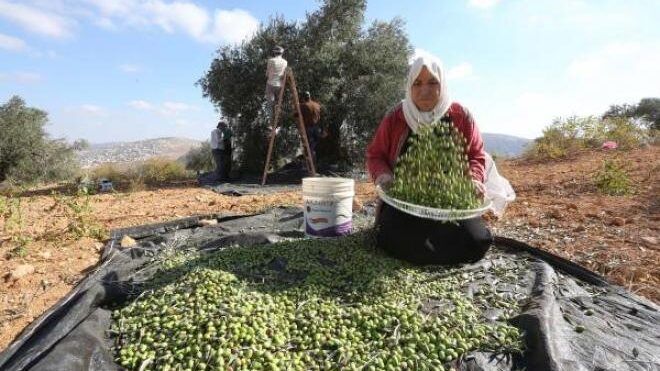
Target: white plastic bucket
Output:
[{"x": 328, "y": 206}]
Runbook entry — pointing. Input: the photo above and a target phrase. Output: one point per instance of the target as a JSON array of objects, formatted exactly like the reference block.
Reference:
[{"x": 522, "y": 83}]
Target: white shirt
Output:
[
  {"x": 275, "y": 69},
  {"x": 216, "y": 139}
]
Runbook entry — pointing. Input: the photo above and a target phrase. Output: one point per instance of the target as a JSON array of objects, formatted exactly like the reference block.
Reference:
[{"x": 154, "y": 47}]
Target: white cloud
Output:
[
  {"x": 91, "y": 109},
  {"x": 534, "y": 109},
  {"x": 114, "y": 7},
  {"x": 35, "y": 20},
  {"x": 483, "y": 4},
  {"x": 461, "y": 71},
  {"x": 586, "y": 17},
  {"x": 618, "y": 72},
  {"x": 141, "y": 105},
  {"x": 621, "y": 72},
  {"x": 11, "y": 43},
  {"x": 129, "y": 68},
  {"x": 174, "y": 108},
  {"x": 178, "y": 16},
  {"x": 122, "y": 124},
  {"x": 21, "y": 77},
  {"x": 232, "y": 26},
  {"x": 225, "y": 26},
  {"x": 618, "y": 61},
  {"x": 167, "y": 109},
  {"x": 106, "y": 23},
  {"x": 56, "y": 18}
]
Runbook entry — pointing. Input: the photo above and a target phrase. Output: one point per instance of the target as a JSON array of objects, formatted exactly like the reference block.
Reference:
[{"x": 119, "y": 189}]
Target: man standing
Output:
[
  {"x": 311, "y": 115},
  {"x": 217, "y": 148},
  {"x": 226, "y": 150},
  {"x": 275, "y": 74}
]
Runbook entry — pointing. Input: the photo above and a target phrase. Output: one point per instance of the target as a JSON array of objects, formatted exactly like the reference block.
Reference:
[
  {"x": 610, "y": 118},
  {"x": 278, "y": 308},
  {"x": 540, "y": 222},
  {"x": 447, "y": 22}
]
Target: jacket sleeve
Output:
[
  {"x": 475, "y": 147},
  {"x": 377, "y": 151}
]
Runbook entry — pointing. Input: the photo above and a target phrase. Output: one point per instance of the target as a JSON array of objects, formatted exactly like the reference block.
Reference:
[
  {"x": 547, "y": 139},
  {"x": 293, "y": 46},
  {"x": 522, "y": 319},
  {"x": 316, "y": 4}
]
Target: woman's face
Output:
[{"x": 425, "y": 91}]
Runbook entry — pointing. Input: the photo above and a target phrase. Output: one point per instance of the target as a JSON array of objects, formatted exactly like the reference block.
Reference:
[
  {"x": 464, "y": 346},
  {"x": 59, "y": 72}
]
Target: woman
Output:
[{"x": 418, "y": 240}]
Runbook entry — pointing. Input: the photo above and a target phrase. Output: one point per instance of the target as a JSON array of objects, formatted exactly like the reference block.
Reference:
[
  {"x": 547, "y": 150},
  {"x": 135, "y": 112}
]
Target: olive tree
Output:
[{"x": 355, "y": 71}]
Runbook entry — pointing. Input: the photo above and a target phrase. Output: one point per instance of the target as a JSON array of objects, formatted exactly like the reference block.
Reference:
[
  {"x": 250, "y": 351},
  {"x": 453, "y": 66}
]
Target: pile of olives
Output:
[
  {"x": 434, "y": 171},
  {"x": 305, "y": 304}
]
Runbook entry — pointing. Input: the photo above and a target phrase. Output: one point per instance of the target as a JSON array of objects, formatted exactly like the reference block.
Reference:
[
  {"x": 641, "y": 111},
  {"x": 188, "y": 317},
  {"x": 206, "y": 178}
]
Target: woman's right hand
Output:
[{"x": 384, "y": 180}]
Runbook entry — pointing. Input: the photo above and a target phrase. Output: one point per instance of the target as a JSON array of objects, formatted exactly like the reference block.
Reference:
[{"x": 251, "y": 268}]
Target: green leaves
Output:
[
  {"x": 26, "y": 153},
  {"x": 612, "y": 179},
  {"x": 434, "y": 171},
  {"x": 354, "y": 70}
]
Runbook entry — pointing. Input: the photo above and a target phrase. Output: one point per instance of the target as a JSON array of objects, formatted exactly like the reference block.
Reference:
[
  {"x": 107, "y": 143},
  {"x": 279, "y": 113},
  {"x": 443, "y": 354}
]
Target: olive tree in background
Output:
[
  {"x": 355, "y": 71},
  {"x": 27, "y": 154},
  {"x": 647, "y": 111}
]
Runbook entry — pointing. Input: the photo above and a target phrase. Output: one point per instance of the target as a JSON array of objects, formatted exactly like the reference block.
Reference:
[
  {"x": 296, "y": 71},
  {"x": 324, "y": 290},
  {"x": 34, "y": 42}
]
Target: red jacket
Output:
[{"x": 384, "y": 149}]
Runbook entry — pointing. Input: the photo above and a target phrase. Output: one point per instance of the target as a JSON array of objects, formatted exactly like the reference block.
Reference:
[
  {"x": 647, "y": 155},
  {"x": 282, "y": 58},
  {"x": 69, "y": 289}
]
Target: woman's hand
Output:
[
  {"x": 479, "y": 187},
  {"x": 384, "y": 180}
]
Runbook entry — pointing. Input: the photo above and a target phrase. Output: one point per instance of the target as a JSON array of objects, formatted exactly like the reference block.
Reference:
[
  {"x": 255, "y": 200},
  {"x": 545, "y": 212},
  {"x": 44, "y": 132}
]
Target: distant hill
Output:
[
  {"x": 174, "y": 148},
  {"x": 505, "y": 145},
  {"x": 126, "y": 152}
]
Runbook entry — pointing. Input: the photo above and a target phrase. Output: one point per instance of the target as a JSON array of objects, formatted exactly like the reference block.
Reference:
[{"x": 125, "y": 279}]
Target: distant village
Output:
[{"x": 127, "y": 152}]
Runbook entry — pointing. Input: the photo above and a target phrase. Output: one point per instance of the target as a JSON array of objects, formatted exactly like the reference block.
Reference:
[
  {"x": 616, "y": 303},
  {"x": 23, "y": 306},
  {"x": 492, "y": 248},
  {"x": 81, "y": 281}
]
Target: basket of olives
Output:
[{"x": 432, "y": 179}]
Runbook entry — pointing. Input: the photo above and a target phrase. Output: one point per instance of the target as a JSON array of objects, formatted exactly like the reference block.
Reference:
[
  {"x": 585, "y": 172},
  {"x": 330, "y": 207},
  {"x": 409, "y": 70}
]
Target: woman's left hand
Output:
[{"x": 479, "y": 187}]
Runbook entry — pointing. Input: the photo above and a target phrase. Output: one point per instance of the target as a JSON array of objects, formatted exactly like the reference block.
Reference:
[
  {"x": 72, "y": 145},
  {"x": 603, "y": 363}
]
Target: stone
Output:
[
  {"x": 20, "y": 272},
  {"x": 572, "y": 206},
  {"x": 46, "y": 255},
  {"x": 650, "y": 242},
  {"x": 579, "y": 228},
  {"x": 98, "y": 246},
  {"x": 207, "y": 222},
  {"x": 127, "y": 241},
  {"x": 556, "y": 214},
  {"x": 618, "y": 222},
  {"x": 534, "y": 223}
]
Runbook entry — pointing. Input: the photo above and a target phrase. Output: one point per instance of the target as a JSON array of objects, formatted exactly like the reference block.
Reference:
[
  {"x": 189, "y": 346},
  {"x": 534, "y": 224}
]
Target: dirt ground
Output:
[{"x": 557, "y": 209}]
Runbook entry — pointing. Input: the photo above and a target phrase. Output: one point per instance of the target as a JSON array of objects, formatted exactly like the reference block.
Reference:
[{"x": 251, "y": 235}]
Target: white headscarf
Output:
[{"x": 414, "y": 117}]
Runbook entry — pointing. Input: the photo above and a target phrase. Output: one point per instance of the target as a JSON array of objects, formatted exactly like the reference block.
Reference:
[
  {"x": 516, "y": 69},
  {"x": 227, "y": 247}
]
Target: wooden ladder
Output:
[{"x": 309, "y": 160}]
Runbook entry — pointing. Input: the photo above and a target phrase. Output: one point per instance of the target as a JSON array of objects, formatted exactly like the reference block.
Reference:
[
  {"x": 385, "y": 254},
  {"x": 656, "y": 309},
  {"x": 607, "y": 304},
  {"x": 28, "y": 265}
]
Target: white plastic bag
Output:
[{"x": 498, "y": 189}]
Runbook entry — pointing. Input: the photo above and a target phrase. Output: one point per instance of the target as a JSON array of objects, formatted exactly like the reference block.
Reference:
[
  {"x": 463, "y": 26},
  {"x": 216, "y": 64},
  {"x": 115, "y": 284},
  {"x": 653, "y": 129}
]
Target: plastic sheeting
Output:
[
  {"x": 621, "y": 334},
  {"x": 498, "y": 189}
]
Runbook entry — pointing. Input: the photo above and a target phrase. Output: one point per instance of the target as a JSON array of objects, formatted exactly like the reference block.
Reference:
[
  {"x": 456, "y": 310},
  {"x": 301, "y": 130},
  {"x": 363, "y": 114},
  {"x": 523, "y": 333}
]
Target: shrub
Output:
[
  {"x": 624, "y": 131},
  {"x": 565, "y": 137},
  {"x": 556, "y": 142},
  {"x": 159, "y": 170},
  {"x": 200, "y": 158},
  {"x": 81, "y": 217},
  {"x": 109, "y": 171},
  {"x": 82, "y": 222},
  {"x": 612, "y": 179},
  {"x": 152, "y": 171},
  {"x": 14, "y": 225}
]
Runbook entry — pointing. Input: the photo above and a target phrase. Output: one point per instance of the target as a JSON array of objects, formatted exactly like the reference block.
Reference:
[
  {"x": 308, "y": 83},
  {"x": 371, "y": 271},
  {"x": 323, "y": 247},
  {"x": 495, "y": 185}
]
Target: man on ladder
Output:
[
  {"x": 287, "y": 79},
  {"x": 275, "y": 69}
]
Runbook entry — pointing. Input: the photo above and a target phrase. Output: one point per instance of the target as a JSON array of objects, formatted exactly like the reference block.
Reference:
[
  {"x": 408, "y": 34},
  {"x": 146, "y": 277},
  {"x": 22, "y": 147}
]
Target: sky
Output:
[{"x": 126, "y": 69}]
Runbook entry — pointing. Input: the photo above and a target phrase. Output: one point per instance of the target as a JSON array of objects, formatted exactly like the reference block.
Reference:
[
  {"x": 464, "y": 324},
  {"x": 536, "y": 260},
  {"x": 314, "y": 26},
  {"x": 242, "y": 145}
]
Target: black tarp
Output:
[{"x": 621, "y": 334}]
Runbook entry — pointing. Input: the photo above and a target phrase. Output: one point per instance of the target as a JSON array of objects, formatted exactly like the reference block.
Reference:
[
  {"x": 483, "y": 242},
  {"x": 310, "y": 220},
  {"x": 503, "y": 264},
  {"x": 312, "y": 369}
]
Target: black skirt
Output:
[{"x": 424, "y": 241}]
